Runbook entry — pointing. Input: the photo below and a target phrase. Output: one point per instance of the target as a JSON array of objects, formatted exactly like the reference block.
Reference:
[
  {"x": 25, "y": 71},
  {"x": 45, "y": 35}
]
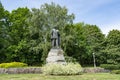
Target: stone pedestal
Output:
[{"x": 55, "y": 56}]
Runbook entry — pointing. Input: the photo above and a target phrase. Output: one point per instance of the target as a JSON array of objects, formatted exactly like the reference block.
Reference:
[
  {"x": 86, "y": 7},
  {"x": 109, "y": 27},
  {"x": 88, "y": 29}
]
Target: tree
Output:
[
  {"x": 25, "y": 37},
  {"x": 42, "y": 21},
  {"x": 4, "y": 24},
  {"x": 17, "y": 33},
  {"x": 93, "y": 39},
  {"x": 18, "y": 24},
  {"x": 112, "y": 47},
  {"x": 72, "y": 43}
]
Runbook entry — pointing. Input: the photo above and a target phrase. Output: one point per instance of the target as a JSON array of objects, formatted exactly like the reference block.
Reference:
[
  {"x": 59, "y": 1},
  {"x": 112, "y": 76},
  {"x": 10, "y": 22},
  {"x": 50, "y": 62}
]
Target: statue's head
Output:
[{"x": 55, "y": 27}]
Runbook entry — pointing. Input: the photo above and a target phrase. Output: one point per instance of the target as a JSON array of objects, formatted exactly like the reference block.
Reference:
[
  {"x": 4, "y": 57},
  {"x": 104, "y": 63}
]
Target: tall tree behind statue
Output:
[{"x": 41, "y": 21}]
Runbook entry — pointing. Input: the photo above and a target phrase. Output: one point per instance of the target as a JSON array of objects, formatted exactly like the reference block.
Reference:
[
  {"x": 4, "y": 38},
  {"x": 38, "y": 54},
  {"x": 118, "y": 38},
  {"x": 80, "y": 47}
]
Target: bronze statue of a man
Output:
[{"x": 55, "y": 38}]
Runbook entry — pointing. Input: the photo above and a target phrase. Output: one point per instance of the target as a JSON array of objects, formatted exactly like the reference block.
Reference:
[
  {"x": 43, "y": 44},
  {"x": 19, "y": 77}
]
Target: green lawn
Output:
[{"x": 86, "y": 76}]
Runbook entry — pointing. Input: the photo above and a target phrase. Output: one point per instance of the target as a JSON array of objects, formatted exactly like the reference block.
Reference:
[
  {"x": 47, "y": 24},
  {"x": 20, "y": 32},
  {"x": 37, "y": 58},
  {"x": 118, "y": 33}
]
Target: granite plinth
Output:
[{"x": 55, "y": 56}]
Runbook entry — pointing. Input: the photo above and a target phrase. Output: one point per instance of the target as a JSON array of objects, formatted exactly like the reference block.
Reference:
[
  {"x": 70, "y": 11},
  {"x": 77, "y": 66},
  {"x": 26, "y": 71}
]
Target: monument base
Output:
[{"x": 55, "y": 56}]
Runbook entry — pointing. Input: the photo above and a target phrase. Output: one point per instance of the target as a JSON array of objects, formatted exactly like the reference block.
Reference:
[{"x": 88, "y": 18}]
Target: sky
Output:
[{"x": 103, "y": 13}]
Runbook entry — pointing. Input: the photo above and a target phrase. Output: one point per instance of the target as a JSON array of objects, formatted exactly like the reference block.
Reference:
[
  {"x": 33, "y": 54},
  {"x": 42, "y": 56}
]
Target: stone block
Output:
[{"x": 55, "y": 56}]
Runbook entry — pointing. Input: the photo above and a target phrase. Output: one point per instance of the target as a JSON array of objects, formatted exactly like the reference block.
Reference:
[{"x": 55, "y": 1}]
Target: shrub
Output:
[
  {"x": 70, "y": 59},
  {"x": 12, "y": 65},
  {"x": 59, "y": 69},
  {"x": 110, "y": 66},
  {"x": 115, "y": 71}
]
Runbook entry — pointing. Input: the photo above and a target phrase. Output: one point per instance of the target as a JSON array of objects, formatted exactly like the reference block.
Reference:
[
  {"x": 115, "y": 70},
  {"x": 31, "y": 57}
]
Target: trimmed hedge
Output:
[
  {"x": 13, "y": 65},
  {"x": 110, "y": 66},
  {"x": 59, "y": 69},
  {"x": 115, "y": 71}
]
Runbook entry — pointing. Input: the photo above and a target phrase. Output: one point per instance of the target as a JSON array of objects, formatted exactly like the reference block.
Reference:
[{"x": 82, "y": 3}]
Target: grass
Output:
[{"x": 86, "y": 76}]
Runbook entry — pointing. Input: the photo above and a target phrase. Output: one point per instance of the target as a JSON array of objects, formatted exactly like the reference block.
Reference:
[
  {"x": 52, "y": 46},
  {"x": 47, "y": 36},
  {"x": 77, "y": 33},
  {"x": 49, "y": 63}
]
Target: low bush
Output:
[
  {"x": 110, "y": 66},
  {"x": 59, "y": 69},
  {"x": 12, "y": 65},
  {"x": 70, "y": 59},
  {"x": 115, "y": 71}
]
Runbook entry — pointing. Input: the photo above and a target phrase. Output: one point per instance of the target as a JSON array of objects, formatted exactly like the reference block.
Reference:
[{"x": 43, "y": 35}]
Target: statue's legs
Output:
[
  {"x": 59, "y": 41},
  {"x": 53, "y": 43},
  {"x": 57, "y": 44}
]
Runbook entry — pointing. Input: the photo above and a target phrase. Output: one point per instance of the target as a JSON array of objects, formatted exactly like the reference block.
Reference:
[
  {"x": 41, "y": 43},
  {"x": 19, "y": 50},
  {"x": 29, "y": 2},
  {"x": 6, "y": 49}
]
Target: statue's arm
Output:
[{"x": 51, "y": 34}]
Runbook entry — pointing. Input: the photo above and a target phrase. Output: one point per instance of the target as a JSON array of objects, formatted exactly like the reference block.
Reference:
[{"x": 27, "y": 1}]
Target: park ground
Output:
[{"x": 85, "y": 76}]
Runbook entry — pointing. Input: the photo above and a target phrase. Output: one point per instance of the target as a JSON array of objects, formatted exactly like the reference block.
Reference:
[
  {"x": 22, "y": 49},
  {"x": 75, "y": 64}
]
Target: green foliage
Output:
[
  {"x": 110, "y": 66},
  {"x": 41, "y": 21},
  {"x": 25, "y": 37},
  {"x": 113, "y": 37},
  {"x": 4, "y": 24},
  {"x": 70, "y": 59},
  {"x": 115, "y": 71},
  {"x": 83, "y": 41},
  {"x": 12, "y": 65},
  {"x": 93, "y": 40},
  {"x": 1, "y": 11},
  {"x": 18, "y": 27},
  {"x": 59, "y": 69},
  {"x": 112, "y": 47}
]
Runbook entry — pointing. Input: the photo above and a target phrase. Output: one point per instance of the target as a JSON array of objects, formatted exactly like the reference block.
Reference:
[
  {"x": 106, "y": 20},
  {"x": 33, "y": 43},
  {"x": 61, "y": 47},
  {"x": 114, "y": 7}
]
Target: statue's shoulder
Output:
[
  {"x": 57, "y": 30},
  {"x": 53, "y": 29}
]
